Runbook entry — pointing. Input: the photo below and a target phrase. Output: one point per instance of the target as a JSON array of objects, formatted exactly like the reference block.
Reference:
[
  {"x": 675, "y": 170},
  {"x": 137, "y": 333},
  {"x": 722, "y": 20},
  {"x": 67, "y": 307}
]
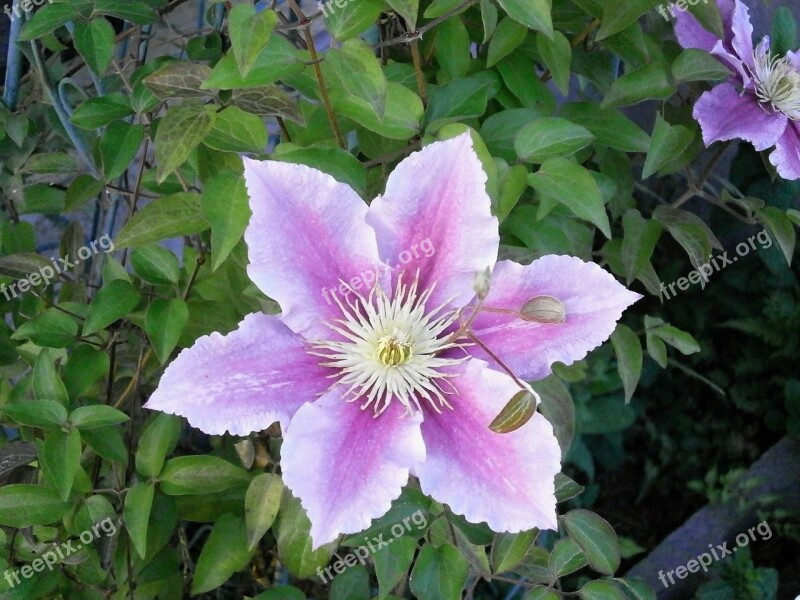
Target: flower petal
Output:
[
  {"x": 742, "y": 29},
  {"x": 786, "y": 156},
  {"x": 436, "y": 216},
  {"x": 243, "y": 381},
  {"x": 794, "y": 58},
  {"x": 724, "y": 114},
  {"x": 506, "y": 480},
  {"x": 593, "y": 302},
  {"x": 306, "y": 234},
  {"x": 347, "y": 466}
]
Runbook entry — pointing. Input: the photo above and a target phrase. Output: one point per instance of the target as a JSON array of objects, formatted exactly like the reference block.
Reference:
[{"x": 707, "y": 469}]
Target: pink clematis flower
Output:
[
  {"x": 384, "y": 381},
  {"x": 760, "y": 103}
]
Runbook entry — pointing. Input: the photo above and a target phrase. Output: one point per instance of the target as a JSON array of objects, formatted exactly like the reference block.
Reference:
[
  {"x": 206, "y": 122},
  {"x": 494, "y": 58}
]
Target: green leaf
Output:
[
  {"x": 138, "y": 504},
  {"x": 24, "y": 505},
  {"x": 558, "y": 408},
  {"x": 566, "y": 558},
  {"x": 784, "y": 32},
  {"x": 249, "y": 32},
  {"x": 629, "y": 358},
  {"x": 60, "y": 455},
  {"x": 440, "y": 573},
  {"x": 781, "y": 228},
  {"x": 689, "y": 231},
  {"x": 682, "y": 341},
  {"x": 353, "y": 584},
  {"x": 541, "y": 593},
  {"x": 556, "y": 53},
  {"x": 155, "y": 264},
  {"x": 41, "y": 413},
  {"x": 237, "y": 131},
  {"x": 515, "y": 413},
  {"x": 617, "y": 17},
  {"x": 709, "y": 16},
  {"x": 203, "y": 474},
  {"x": 609, "y": 126},
  {"x": 566, "y": 488},
  {"x": 226, "y": 206},
  {"x": 458, "y": 100},
  {"x": 47, "y": 385},
  {"x": 360, "y": 73},
  {"x": 408, "y": 9},
  {"x": 86, "y": 366},
  {"x": 352, "y": 19},
  {"x": 278, "y": 61},
  {"x": 158, "y": 439},
  {"x": 507, "y": 37},
  {"x": 392, "y": 564},
  {"x": 509, "y": 549},
  {"x": 596, "y": 538},
  {"x": 112, "y": 302},
  {"x": 668, "y": 141},
  {"x": 601, "y": 590},
  {"x": 224, "y": 553},
  {"x": 119, "y": 145},
  {"x": 649, "y": 82},
  {"x": 99, "y": 112},
  {"x": 550, "y": 137},
  {"x": 164, "y": 322},
  {"x": 698, "y": 65},
  {"x": 51, "y": 329},
  {"x": 179, "y": 79},
  {"x": 47, "y": 19},
  {"x": 438, "y": 8},
  {"x": 639, "y": 242},
  {"x": 401, "y": 119},
  {"x": 572, "y": 185},
  {"x": 637, "y": 588},
  {"x": 267, "y": 100},
  {"x": 82, "y": 189},
  {"x": 107, "y": 443},
  {"x": 261, "y": 504},
  {"x": 531, "y": 13},
  {"x": 453, "y": 47},
  {"x": 293, "y": 537},
  {"x": 135, "y": 11},
  {"x": 50, "y": 162},
  {"x": 99, "y": 415},
  {"x": 167, "y": 217},
  {"x": 94, "y": 40},
  {"x": 181, "y": 129}
]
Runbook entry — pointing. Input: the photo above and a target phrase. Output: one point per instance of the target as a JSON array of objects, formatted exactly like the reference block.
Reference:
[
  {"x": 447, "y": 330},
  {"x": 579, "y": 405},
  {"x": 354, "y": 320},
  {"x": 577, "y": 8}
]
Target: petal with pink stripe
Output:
[{"x": 241, "y": 382}]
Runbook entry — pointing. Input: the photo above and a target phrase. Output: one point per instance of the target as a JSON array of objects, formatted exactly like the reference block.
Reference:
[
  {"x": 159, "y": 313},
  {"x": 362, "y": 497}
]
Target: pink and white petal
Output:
[
  {"x": 345, "y": 465},
  {"x": 742, "y": 28},
  {"x": 506, "y": 480},
  {"x": 724, "y": 114},
  {"x": 306, "y": 234},
  {"x": 436, "y": 216},
  {"x": 593, "y": 302},
  {"x": 786, "y": 156},
  {"x": 241, "y": 382}
]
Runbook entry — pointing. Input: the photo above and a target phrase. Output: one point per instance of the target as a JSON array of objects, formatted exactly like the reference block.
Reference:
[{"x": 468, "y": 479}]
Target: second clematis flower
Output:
[
  {"x": 385, "y": 362},
  {"x": 760, "y": 103}
]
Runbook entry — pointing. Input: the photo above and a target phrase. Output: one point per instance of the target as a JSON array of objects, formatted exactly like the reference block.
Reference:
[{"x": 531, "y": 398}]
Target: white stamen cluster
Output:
[
  {"x": 391, "y": 348},
  {"x": 777, "y": 82}
]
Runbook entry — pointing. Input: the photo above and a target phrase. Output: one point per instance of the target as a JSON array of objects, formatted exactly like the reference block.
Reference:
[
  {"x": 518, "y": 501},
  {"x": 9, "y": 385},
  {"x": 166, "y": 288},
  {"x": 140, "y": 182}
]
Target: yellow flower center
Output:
[{"x": 393, "y": 352}]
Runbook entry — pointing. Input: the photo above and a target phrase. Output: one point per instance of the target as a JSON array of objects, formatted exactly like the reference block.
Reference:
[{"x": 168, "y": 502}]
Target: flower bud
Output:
[
  {"x": 482, "y": 283},
  {"x": 543, "y": 309}
]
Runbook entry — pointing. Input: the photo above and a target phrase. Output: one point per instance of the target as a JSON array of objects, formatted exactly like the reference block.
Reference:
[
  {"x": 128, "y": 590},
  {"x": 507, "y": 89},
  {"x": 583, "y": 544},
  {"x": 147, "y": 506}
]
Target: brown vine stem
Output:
[
  {"x": 416, "y": 35},
  {"x": 697, "y": 187},
  {"x": 418, "y": 70},
  {"x": 323, "y": 90}
]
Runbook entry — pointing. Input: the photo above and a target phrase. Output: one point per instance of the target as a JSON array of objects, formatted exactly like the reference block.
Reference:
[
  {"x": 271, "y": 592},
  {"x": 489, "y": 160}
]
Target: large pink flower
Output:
[
  {"x": 760, "y": 102},
  {"x": 384, "y": 363}
]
